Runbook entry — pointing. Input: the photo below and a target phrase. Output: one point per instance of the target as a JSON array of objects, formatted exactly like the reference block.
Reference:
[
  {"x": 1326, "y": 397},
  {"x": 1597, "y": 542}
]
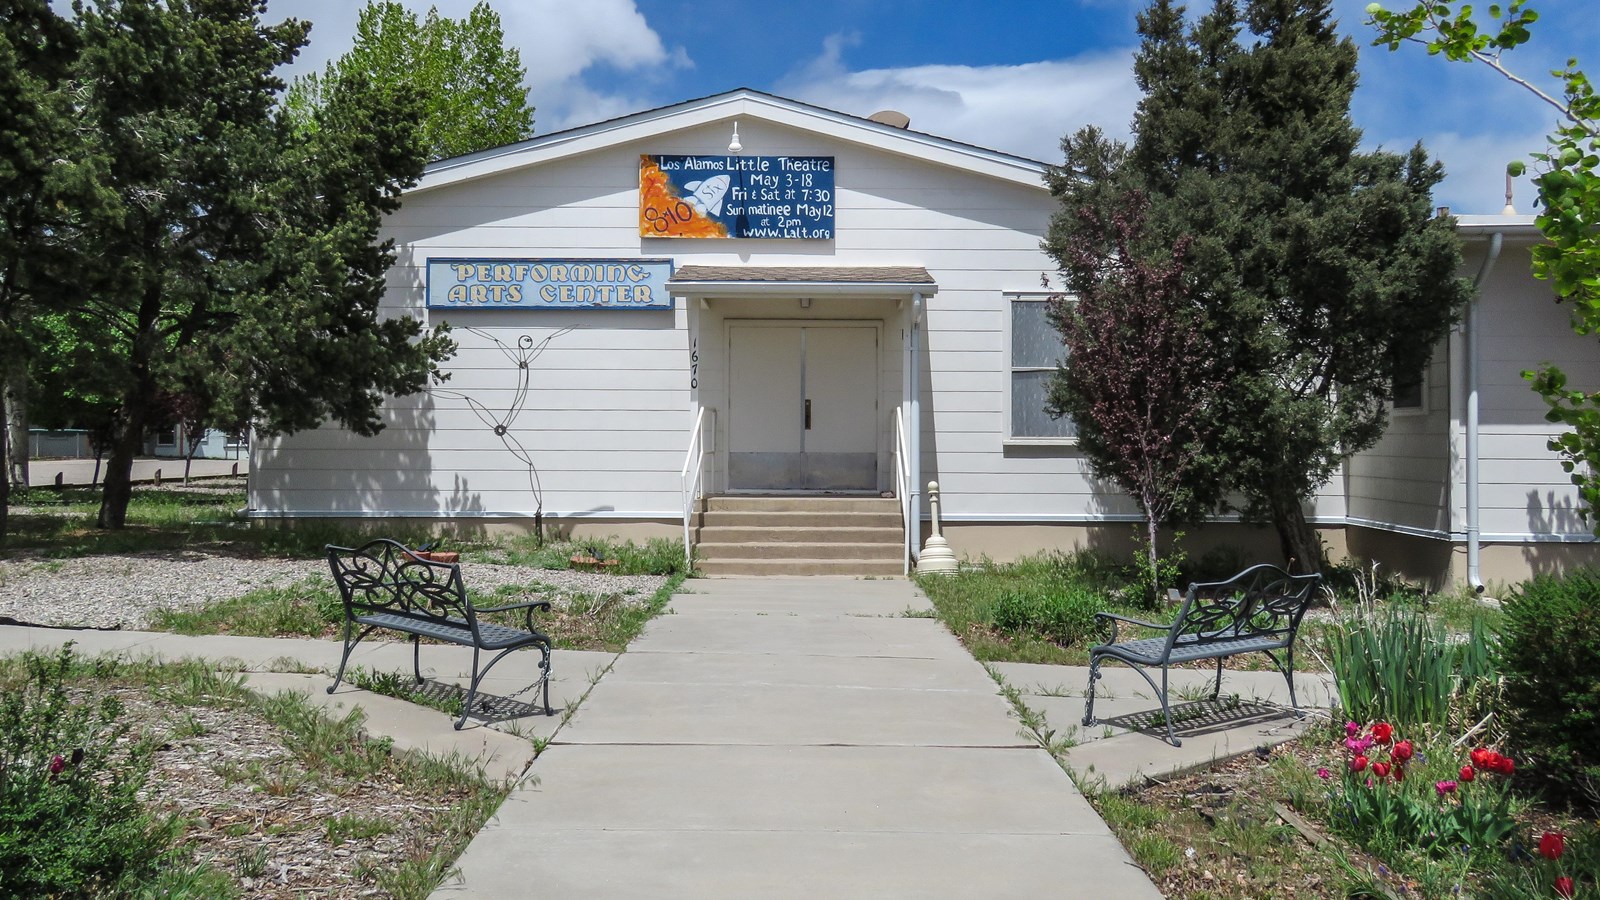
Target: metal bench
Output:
[
  {"x": 386, "y": 585},
  {"x": 1257, "y": 611}
]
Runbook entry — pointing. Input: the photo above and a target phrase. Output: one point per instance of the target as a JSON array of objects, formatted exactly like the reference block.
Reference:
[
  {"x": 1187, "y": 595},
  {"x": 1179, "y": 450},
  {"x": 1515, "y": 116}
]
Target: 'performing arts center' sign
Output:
[{"x": 549, "y": 283}]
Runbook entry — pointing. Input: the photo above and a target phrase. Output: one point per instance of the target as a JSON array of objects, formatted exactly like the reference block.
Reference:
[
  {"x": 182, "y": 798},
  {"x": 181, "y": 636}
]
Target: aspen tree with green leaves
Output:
[
  {"x": 470, "y": 83},
  {"x": 1568, "y": 181}
]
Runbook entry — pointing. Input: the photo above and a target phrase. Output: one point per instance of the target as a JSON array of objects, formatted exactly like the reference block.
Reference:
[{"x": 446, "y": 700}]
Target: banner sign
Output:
[
  {"x": 736, "y": 196},
  {"x": 549, "y": 283}
]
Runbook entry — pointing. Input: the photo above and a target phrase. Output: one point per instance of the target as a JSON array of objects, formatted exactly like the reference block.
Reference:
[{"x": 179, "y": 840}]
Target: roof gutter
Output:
[{"x": 1474, "y": 569}]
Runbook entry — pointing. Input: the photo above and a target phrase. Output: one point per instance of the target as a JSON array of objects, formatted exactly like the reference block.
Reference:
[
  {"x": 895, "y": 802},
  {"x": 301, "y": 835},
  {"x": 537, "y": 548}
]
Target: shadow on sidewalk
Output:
[
  {"x": 1199, "y": 717},
  {"x": 487, "y": 708}
]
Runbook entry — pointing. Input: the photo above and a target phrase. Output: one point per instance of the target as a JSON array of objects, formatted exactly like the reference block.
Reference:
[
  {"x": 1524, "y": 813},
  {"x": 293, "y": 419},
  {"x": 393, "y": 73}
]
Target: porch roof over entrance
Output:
[{"x": 790, "y": 281}]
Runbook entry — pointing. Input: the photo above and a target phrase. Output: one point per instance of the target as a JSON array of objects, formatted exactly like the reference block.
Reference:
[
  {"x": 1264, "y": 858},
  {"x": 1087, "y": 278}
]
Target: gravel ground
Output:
[{"x": 121, "y": 591}]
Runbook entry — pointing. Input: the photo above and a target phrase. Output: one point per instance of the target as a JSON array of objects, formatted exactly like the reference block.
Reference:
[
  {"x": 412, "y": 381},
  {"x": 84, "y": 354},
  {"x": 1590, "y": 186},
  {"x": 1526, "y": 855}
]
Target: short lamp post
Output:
[{"x": 937, "y": 557}]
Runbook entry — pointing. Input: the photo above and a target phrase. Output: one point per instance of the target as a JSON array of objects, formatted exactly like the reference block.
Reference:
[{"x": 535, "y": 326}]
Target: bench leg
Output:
[
  {"x": 1216, "y": 690},
  {"x": 472, "y": 690},
  {"x": 544, "y": 666},
  {"x": 1094, "y": 675},
  {"x": 1166, "y": 707},
  {"x": 478, "y": 676},
  {"x": 416, "y": 656},
  {"x": 349, "y": 646},
  {"x": 1288, "y": 675}
]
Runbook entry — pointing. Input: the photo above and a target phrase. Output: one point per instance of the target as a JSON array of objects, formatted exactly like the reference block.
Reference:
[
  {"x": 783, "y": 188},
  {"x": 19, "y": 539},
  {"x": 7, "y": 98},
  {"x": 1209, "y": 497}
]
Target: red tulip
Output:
[
  {"x": 1564, "y": 886},
  {"x": 57, "y": 765},
  {"x": 1481, "y": 756},
  {"x": 1382, "y": 731},
  {"x": 1505, "y": 765},
  {"x": 1358, "y": 764},
  {"x": 1380, "y": 769},
  {"x": 1402, "y": 751},
  {"x": 1552, "y": 844},
  {"x": 1467, "y": 774},
  {"x": 1399, "y": 772}
]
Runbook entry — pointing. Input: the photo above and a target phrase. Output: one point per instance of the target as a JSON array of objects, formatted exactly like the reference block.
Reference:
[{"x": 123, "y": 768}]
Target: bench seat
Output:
[
  {"x": 1257, "y": 611},
  {"x": 384, "y": 584}
]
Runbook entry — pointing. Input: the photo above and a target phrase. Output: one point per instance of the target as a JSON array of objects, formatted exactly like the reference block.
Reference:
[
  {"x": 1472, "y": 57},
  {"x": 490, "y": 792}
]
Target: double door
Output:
[{"x": 803, "y": 406}]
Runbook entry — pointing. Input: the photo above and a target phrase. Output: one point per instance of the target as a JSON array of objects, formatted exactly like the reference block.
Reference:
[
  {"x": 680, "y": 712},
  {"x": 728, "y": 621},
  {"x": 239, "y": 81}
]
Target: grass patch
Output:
[
  {"x": 974, "y": 601},
  {"x": 308, "y": 608},
  {"x": 657, "y": 556},
  {"x": 311, "y": 758}
]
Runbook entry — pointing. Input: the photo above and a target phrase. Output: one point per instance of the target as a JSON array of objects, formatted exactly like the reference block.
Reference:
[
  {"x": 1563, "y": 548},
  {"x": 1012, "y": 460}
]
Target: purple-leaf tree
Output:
[{"x": 1138, "y": 372}]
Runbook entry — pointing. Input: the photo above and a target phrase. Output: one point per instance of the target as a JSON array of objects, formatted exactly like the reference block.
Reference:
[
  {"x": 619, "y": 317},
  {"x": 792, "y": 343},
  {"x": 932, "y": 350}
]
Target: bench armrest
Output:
[
  {"x": 1114, "y": 618},
  {"x": 1132, "y": 621}
]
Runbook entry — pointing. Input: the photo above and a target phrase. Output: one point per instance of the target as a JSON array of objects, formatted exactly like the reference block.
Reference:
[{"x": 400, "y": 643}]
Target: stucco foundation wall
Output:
[
  {"x": 1002, "y": 542},
  {"x": 637, "y": 531}
]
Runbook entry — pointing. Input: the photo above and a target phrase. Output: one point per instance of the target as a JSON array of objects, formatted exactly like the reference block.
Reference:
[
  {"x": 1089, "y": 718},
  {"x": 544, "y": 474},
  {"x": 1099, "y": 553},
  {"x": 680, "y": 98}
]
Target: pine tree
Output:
[{"x": 235, "y": 261}]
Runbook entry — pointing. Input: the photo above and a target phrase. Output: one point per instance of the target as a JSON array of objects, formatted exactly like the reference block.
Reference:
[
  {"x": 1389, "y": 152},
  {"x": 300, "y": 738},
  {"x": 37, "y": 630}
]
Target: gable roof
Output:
[{"x": 742, "y": 103}]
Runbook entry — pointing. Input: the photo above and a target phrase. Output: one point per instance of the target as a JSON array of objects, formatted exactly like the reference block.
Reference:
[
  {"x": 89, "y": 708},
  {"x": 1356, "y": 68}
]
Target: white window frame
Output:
[
  {"x": 1010, "y": 437},
  {"x": 1421, "y": 409}
]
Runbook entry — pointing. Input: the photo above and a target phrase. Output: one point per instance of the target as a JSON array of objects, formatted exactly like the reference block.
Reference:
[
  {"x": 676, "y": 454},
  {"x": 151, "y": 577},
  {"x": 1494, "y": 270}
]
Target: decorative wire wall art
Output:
[{"x": 502, "y": 422}]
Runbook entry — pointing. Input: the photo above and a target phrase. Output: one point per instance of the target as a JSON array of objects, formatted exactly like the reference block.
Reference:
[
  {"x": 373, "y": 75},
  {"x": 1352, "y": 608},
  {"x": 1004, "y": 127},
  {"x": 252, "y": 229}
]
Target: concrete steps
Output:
[{"x": 799, "y": 535}]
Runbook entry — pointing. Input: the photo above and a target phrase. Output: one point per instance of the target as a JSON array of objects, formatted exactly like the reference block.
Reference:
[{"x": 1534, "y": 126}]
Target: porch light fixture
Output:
[{"x": 734, "y": 146}]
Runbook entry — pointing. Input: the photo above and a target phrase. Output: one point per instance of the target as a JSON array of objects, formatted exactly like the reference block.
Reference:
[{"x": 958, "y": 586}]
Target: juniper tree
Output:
[{"x": 1322, "y": 273}]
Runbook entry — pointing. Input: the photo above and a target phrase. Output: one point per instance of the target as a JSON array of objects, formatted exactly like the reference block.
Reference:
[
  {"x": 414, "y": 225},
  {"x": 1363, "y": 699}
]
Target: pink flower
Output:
[
  {"x": 1445, "y": 787},
  {"x": 1324, "y": 774},
  {"x": 1350, "y": 729},
  {"x": 1353, "y": 745},
  {"x": 57, "y": 765}
]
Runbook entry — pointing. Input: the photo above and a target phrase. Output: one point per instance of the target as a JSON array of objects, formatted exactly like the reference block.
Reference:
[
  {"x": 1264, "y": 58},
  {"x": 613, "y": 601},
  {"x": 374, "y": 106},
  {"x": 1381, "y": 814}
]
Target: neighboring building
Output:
[
  {"x": 878, "y": 324},
  {"x": 1411, "y": 503}
]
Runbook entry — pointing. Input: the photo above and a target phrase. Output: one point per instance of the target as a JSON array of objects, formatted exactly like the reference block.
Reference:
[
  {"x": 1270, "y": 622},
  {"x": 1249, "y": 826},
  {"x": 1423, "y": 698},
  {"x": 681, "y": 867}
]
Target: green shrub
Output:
[
  {"x": 1550, "y": 654},
  {"x": 1398, "y": 664},
  {"x": 71, "y": 823},
  {"x": 1064, "y": 616}
]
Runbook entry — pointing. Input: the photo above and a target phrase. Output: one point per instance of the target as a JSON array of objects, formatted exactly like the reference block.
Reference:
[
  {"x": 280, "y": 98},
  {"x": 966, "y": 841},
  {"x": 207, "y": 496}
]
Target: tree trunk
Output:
[
  {"x": 5, "y": 493},
  {"x": 1152, "y": 527},
  {"x": 1301, "y": 547},
  {"x": 16, "y": 416},
  {"x": 126, "y": 442}
]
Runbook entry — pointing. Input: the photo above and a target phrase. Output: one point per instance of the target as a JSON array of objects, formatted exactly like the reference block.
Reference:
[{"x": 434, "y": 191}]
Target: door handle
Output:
[{"x": 808, "y": 413}]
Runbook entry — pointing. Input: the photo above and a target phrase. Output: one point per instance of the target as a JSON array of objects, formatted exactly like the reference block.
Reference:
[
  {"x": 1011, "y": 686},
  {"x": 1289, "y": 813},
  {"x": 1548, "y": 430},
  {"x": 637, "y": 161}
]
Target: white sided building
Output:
[{"x": 764, "y": 324}]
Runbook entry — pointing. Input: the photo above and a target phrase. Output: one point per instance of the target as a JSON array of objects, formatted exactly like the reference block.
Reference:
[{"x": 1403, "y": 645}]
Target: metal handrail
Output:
[
  {"x": 902, "y": 465},
  {"x": 694, "y": 461}
]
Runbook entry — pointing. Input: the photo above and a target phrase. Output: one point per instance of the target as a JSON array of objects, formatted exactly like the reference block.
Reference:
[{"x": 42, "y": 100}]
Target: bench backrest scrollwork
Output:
[
  {"x": 385, "y": 576},
  {"x": 1262, "y": 601}
]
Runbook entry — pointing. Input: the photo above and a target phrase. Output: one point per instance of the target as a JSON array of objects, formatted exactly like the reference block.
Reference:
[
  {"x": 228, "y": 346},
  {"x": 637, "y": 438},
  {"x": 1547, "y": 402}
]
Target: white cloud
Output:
[
  {"x": 1024, "y": 109},
  {"x": 1475, "y": 170}
]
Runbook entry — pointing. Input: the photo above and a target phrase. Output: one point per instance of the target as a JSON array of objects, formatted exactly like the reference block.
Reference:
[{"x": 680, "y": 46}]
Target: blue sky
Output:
[{"x": 1014, "y": 76}]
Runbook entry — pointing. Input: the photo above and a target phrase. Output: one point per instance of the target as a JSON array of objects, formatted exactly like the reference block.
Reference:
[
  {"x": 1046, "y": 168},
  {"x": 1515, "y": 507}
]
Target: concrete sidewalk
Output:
[
  {"x": 796, "y": 738},
  {"x": 776, "y": 738}
]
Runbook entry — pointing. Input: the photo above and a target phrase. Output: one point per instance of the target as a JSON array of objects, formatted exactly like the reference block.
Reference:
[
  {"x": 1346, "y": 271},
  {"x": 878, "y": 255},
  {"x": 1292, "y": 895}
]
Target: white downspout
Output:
[
  {"x": 1474, "y": 576},
  {"x": 914, "y": 428}
]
